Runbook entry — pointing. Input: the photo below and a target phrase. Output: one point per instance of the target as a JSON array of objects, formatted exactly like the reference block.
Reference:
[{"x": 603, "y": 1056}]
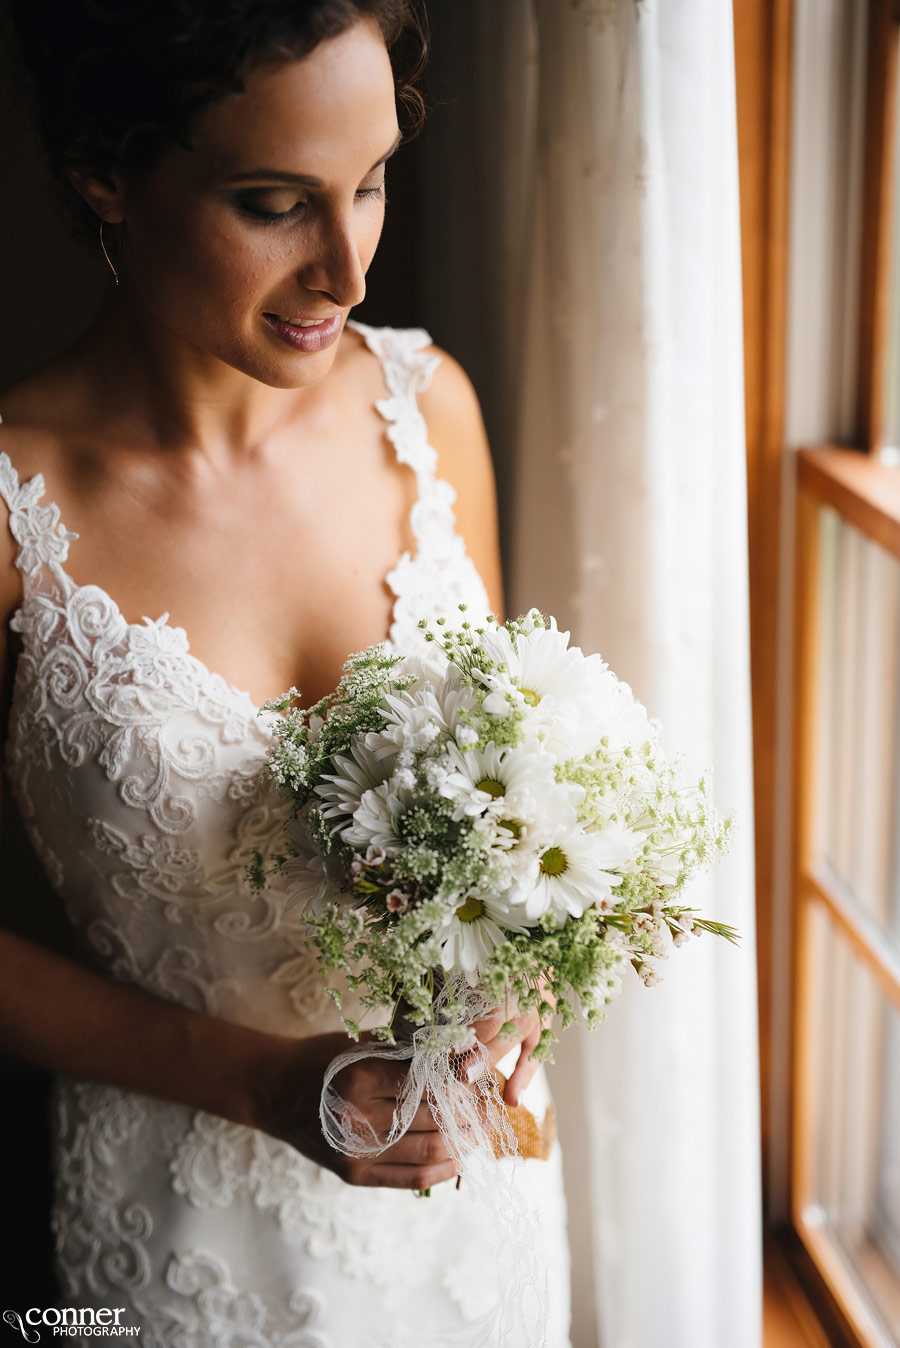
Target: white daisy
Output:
[
  {"x": 356, "y": 774},
  {"x": 571, "y": 868},
  {"x": 309, "y": 874},
  {"x": 541, "y": 662},
  {"x": 376, "y": 815},
  {"x": 472, "y": 931},
  {"x": 516, "y": 788},
  {"x": 419, "y": 716},
  {"x": 561, "y": 686}
]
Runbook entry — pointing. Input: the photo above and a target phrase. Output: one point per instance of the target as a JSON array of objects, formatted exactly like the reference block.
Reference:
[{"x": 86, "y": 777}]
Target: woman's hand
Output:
[
  {"x": 286, "y": 1105},
  {"x": 497, "y": 1047}
]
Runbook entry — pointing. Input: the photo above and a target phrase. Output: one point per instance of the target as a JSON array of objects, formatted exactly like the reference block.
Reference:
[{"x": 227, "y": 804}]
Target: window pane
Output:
[
  {"x": 855, "y": 1142},
  {"x": 857, "y": 820}
]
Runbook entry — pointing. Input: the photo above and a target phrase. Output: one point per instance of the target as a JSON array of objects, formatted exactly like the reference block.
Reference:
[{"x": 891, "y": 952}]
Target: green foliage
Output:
[{"x": 308, "y": 739}]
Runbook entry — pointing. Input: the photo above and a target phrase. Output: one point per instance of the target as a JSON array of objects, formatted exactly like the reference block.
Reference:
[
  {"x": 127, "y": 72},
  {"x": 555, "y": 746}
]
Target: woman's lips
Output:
[{"x": 306, "y": 339}]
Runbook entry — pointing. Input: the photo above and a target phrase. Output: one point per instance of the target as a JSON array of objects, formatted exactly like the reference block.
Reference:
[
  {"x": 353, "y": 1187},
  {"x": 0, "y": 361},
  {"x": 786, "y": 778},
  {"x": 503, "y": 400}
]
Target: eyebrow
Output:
[{"x": 304, "y": 179}]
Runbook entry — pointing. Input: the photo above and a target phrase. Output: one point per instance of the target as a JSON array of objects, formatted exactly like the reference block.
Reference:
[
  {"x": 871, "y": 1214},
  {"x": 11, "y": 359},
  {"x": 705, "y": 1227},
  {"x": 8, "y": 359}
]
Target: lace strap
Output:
[
  {"x": 407, "y": 370},
  {"x": 42, "y": 537}
]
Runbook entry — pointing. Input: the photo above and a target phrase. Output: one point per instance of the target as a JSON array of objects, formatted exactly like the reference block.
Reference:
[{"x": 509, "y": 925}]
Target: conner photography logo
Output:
[{"x": 70, "y": 1322}]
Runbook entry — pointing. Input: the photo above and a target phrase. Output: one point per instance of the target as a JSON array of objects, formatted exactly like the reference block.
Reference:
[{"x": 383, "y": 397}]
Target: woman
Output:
[{"x": 231, "y": 449}]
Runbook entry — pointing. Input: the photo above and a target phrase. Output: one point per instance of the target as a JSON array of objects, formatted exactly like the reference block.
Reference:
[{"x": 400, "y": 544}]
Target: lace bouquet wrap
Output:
[{"x": 485, "y": 822}]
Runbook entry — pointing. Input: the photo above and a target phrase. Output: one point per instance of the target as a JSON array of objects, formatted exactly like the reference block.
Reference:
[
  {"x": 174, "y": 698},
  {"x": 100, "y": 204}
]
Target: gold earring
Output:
[{"x": 106, "y": 254}]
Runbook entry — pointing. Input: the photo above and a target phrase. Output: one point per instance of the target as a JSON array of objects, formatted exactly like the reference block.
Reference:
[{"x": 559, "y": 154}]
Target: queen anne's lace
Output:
[{"x": 136, "y": 771}]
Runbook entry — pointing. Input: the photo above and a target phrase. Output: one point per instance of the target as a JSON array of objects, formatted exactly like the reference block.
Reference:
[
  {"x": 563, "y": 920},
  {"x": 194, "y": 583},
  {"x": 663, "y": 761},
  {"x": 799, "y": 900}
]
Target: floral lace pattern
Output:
[
  {"x": 224, "y": 1316},
  {"x": 37, "y": 529},
  {"x": 136, "y": 770},
  {"x": 440, "y": 570},
  {"x": 217, "y": 1161},
  {"x": 100, "y": 1232}
]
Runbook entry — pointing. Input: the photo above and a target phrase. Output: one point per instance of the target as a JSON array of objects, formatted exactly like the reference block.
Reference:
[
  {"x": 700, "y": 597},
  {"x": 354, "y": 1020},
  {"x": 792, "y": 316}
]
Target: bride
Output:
[{"x": 222, "y": 489}]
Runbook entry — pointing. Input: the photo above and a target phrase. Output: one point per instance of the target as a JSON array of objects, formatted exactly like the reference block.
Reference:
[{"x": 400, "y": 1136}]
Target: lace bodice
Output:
[{"x": 136, "y": 770}]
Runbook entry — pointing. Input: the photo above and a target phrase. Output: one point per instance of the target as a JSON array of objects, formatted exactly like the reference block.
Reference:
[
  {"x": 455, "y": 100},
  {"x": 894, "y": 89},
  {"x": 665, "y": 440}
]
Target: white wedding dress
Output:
[{"x": 136, "y": 771}]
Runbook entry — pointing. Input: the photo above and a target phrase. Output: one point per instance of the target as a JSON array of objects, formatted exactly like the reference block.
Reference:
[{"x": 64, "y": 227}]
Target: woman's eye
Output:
[
  {"x": 372, "y": 192},
  {"x": 251, "y": 206}
]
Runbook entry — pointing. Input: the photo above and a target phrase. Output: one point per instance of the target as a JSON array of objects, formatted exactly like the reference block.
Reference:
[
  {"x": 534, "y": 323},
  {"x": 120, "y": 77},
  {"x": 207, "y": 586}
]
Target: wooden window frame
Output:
[
  {"x": 763, "y": 56},
  {"x": 852, "y": 480},
  {"x": 864, "y": 491}
]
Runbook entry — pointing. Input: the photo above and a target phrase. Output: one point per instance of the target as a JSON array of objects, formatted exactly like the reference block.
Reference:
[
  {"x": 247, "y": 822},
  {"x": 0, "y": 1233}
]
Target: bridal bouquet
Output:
[
  {"x": 483, "y": 822},
  {"x": 487, "y": 821}
]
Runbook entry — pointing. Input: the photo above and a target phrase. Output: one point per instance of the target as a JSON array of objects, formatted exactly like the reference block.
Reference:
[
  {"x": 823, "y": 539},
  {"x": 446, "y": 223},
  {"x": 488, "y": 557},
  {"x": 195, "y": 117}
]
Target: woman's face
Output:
[{"x": 275, "y": 214}]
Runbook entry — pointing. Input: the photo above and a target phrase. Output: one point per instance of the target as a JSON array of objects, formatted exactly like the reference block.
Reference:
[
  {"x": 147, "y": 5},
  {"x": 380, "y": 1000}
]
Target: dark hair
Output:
[{"x": 113, "y": 82}]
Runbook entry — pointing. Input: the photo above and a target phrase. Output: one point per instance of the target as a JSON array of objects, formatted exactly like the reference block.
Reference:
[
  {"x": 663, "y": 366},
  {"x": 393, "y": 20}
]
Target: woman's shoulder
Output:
[
  {"x": 449, "y": 400},
  {"x": 450, "y": 405},
  {"x": 33, "y": 412},
  {"x": 443, "y": 389}
]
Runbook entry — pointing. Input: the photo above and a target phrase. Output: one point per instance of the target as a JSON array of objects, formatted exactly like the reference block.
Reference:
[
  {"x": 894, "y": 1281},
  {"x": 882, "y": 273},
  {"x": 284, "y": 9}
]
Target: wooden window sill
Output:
[
  {"x": 788, "y": 1318},
  {"x": 859, "y": 486},
  {"x": 798, "y": 1309}
]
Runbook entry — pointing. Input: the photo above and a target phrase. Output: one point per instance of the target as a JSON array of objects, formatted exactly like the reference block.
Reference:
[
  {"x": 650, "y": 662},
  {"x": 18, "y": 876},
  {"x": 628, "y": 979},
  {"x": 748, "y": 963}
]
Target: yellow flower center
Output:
[
  {"x": 491, "y": 786},
  {"x": 554, "y": 862},
  {"x": 513, "y": 825},
  {"x": 530, "y": 696},
  {"x": 470, "y": 910}
]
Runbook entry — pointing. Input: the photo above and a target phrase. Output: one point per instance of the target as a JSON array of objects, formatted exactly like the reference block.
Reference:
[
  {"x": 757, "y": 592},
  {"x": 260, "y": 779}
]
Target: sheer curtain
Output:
[{"x": 581, "y": 257}]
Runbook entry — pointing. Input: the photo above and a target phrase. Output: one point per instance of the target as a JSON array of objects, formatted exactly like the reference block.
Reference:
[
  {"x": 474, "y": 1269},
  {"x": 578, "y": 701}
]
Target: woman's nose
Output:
[{"x": 336, "y": 266}]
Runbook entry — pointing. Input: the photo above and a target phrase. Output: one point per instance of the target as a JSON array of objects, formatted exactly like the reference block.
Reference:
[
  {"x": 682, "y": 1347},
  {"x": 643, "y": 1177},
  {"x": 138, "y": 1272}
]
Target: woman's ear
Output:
[{"x": 101, "y": 190}]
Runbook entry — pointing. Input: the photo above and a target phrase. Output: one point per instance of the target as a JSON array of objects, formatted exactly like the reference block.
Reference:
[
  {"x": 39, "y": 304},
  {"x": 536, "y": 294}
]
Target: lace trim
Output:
[
  {"x": 39, "y": 531},
  {"x": 440, "y": 550},
  {"x": 407, "y": 371}
]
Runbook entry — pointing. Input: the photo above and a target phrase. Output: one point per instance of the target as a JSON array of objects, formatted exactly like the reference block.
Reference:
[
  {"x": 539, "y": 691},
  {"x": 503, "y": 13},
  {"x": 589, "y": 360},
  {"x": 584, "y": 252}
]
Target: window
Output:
[{"x": 845, "y": 1032}]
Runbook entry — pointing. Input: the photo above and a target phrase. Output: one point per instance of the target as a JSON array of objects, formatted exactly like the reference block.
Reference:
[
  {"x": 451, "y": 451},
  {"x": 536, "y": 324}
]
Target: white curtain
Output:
[{"x": 582, "y": 259}]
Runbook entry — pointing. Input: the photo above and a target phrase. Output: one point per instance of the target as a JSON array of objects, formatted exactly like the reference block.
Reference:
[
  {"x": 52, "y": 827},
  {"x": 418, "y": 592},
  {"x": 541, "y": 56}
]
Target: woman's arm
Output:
[{"x": 67, "y": 1018}]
